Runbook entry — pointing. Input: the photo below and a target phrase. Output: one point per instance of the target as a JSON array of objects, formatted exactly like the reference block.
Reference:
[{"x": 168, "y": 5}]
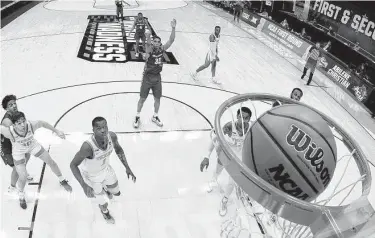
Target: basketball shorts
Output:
[
  {"x": 237, "y": 11},
  {"x": 140, "y": 36},
  {"x": 210, "y": 57},
  {"x": 98, "y": 181},
  {"x": 151, "y": 82},
  {"x": 311, "y": 64},
  {"x": 119, "y": 11},
  {"x": 19, "y": 157}
]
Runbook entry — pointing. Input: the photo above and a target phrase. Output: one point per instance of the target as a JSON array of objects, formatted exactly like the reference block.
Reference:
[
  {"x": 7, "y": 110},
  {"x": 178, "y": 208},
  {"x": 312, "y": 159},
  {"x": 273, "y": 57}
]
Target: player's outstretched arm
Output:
[
  {"x": 39, "y": 124},
  {"x": 206, "y": 160},
  {"x": 121, "y": 155},
  {"x": 148, "y": 44},
  {"x": 83, "y": 153},
  {"x": 172, "y": 36}
]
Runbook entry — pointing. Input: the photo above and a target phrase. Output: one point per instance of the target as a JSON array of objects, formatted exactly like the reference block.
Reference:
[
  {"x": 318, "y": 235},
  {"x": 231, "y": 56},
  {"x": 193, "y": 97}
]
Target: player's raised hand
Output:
[
  {"x": 205, "y": 163},
  {"x": 130, "y": 173},
  {"x": 60, "y": 134},
  {"x": 173, "y": 23}
]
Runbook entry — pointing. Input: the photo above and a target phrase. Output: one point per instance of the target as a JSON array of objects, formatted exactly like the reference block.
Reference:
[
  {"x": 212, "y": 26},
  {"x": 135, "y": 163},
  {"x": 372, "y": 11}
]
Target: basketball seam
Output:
[
  {"x": 305, "y": 123},
  {"x": 252, "y": 151},
  {"x": 304, "y": 162},
  {"x": 288, "y": 157}
]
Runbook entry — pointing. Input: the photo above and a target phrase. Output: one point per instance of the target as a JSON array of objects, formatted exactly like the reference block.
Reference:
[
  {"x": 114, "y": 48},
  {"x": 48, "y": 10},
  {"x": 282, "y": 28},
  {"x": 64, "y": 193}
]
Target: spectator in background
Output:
[
  {"x": 285, "y": 24},
  {"x": 356, "y": 47},
  {"x": 237, "y": 9},
  {"x": 330, "y": 31},
  {"x": 247, "y": 5},
  {"x": 264, "y": 13},
  {"x": 361, "y": 70},
  {"x": 328, "y": 46},
  {"x": 304, "y": 34}
]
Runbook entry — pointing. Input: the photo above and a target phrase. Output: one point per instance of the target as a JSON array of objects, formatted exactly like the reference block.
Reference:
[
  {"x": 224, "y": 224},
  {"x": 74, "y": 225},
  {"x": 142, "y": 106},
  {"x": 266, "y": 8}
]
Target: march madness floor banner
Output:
[{"x": 105, "y": 40}]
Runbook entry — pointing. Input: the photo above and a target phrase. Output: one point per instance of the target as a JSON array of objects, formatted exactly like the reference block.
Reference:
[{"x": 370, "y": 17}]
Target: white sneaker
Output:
[
  {"x": 29, "y": 178},
  {"x": 108, "y": 217},
  {"x": 194, "y": 76},
  {"x": 211, "y": 185},
  {"x": 137, "y": 122},
  {"x": 214, "y": 80},
  {"x": 156, "y": 120},
  {"x": 12, "y": 190},
  {"x": 223, "y": 206}
]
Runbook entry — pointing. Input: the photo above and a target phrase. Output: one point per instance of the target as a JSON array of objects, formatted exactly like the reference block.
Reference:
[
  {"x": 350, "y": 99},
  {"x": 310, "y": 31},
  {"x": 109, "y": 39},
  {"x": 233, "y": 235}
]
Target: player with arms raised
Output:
[
  {"x": 96, "y": 176},
  {"x": 140, "y": 24},
  {"x": 151, "y": 74},
  {"x": 21, "y": 134}
]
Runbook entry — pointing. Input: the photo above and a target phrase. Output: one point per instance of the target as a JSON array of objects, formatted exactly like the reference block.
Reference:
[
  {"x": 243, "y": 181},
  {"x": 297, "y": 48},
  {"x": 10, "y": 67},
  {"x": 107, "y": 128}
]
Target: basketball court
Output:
[{"x": 40, "y": 66}]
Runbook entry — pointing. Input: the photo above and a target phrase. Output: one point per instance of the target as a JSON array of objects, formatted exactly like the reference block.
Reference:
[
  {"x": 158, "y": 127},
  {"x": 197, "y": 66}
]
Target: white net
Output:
[{"x": 344, "y": 188}]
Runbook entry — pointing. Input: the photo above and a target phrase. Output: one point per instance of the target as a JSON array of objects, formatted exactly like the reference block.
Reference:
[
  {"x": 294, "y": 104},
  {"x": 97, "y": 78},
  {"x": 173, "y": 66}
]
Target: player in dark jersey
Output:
[
  {"x": 296, "y": 94},
  {"x": 151, "y": 74},
  {"x": 10, "y": 105},
  {"x": 312, "y": 60},
  {"x": 140, "y": 24},
  {"x": 119, "y": 9}
]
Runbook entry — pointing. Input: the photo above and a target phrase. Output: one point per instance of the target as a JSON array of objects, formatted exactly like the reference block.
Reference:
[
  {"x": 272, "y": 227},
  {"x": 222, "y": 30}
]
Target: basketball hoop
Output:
[{"x": 291, "y": 216}]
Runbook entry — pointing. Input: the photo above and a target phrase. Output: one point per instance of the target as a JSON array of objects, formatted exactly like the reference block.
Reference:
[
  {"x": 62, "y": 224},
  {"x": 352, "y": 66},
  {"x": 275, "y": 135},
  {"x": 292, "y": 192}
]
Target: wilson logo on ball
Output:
[{"x": 302, "y": 143}]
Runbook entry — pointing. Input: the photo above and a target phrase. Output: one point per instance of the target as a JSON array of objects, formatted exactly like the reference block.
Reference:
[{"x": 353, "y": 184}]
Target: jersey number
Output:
[
  {"x": 158, "y": 61},
  {"x": 26, "y": 144}
]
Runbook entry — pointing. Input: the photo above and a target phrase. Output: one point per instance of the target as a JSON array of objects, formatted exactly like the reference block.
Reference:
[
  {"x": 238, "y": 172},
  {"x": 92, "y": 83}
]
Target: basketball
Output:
[{"x": 293, "y": 148}]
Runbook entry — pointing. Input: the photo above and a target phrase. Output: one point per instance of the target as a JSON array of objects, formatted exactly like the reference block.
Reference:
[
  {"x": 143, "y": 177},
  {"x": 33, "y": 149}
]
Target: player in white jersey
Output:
[
  {"x": 296, "y": 95},
  {"x": 21, "y": 134},
  {"x": 237, "y": 135},
  {"x": 212, "y": 56},
  {"x": 96, "y": 175},
  {"x": 9, "y": 103}
]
